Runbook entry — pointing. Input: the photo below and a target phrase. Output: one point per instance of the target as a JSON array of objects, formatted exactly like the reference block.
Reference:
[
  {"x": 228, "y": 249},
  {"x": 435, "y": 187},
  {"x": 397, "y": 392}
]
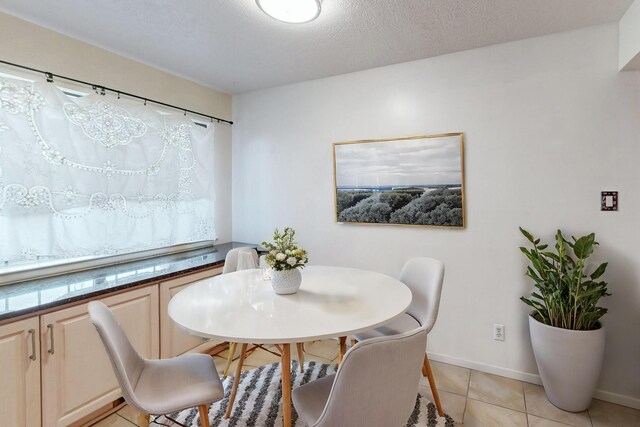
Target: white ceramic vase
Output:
[
  {"x": 286, "y": 282},
  {"x": 569, "y": 363}
]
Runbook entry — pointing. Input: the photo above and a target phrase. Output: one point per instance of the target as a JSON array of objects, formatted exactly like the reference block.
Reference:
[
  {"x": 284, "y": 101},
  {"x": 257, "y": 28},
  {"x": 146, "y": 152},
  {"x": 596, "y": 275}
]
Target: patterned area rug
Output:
[{"x": 257, "y": 402}]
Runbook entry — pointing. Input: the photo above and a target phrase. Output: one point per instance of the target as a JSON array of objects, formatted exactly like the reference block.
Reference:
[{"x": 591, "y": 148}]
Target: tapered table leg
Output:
[
  {"x": 286, "y": 384},
  {"x": 343, "y": 349},
  {"x": 236, "y": 381},
  {"x": 232, "y": 352}
]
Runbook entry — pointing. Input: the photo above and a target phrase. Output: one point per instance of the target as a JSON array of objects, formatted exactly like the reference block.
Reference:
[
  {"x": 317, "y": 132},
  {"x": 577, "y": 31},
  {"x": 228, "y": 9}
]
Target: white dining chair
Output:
[
  {"x": 238, "y": 259},
  {"x": 375, "y": 386},
  {"x": 235, "y": 260},
  {"x": 424, "y": 276},
  {"x": 242, "y": 259},
  {"x": 157, "y": 387}
]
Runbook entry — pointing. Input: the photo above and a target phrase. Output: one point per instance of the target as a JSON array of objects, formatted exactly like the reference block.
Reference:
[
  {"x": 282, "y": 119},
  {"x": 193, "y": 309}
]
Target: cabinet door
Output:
[
  {"x": 174, "y": 340},
  {"x": 20, "y": 379},
  {"x": 77, "y": 377}
]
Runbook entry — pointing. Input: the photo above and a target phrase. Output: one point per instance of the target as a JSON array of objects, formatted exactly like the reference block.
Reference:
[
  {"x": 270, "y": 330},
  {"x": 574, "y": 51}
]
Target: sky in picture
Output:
[{"x": 429, "y": 161}]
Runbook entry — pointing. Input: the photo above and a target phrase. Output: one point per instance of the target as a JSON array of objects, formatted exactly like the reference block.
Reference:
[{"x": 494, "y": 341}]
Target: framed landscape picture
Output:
[{"x": 417, "y": 180}]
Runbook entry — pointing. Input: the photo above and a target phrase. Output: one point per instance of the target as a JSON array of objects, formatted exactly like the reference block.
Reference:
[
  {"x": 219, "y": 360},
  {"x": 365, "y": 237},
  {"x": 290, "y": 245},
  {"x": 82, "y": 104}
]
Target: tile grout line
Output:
[
  {"x": 524, "y": 398},
  {"x": 526, "y": 411},
  {"x": 125, "y": 419},
  {"x": 543, "y": 417},
  {"x": 466, "y": 400},
  {"x": 498, "y": 405}
]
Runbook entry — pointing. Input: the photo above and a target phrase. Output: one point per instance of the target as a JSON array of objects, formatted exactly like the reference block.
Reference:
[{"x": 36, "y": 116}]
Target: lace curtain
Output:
[{"x": 98, "y": 175}]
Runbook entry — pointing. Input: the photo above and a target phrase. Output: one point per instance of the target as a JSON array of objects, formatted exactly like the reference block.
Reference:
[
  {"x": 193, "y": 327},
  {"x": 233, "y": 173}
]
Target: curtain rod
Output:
[{"x": 49, "y": 76}]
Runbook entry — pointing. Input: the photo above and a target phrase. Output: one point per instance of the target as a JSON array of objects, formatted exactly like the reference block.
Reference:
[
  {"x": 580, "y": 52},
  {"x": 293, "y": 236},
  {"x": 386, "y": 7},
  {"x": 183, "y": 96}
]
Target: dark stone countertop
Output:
[{"x": 32, "y": 296}]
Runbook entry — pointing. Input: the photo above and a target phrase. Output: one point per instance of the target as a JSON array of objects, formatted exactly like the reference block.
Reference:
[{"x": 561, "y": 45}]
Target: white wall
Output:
[
  {"x": 629, "y": 56},
  {"x": 549, "y": 123},
  {"x": 28, "y": 44}
]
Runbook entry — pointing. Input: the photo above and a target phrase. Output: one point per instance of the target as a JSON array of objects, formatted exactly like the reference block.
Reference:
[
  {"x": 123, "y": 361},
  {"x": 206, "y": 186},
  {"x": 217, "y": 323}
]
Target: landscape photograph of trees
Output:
[{"x": 413, "y": 181}]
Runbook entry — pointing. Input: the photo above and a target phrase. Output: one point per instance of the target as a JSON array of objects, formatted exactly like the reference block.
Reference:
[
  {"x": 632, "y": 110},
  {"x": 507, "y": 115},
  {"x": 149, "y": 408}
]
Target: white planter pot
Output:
[
  {"x": 286, "y": 282},
  {"x": 569, "y": 363}
]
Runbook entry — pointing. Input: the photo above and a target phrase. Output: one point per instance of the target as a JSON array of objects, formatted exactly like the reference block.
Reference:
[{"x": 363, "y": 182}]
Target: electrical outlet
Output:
[{"x": 498, "y": 332}]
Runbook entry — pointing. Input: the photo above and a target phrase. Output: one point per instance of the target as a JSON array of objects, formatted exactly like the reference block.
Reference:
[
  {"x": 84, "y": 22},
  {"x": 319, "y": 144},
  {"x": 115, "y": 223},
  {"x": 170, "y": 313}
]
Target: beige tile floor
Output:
[{"x": 472, "y": 398}]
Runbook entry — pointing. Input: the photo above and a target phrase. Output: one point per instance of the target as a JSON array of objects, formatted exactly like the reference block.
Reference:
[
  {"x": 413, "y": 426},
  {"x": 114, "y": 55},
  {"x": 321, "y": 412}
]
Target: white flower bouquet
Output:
[{"x": 284, "y": 253}]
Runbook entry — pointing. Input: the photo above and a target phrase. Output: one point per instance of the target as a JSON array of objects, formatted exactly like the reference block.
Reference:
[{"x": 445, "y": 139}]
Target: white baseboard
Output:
[{"x": 620, "y": 399}]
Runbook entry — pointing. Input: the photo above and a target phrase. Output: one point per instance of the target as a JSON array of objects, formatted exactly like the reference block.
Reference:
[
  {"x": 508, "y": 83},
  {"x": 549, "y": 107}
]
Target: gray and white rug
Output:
[{"x": 259, "y": 394}]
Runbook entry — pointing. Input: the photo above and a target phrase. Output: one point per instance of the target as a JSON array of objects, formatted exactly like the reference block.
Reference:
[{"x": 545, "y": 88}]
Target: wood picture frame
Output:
[{"x": 415, "y": 181}]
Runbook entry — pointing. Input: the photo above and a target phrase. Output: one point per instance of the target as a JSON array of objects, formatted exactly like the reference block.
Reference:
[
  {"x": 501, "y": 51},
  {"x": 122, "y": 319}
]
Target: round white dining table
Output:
[{"x": 331, "y": 302}]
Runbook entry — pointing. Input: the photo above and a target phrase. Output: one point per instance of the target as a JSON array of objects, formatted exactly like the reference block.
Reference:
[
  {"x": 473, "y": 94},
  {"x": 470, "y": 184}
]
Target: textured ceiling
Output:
[{"x": 232, "y": 46}]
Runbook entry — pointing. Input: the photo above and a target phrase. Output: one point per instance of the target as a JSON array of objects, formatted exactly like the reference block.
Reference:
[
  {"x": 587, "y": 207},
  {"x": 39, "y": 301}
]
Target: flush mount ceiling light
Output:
[{"x": 291, "y": 11}]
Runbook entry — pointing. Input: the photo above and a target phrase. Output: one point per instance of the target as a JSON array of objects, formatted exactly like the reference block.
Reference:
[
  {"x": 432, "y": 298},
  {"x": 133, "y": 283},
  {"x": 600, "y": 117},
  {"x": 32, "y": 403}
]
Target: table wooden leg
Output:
[
  {"x": 286, "y": 384},
  {"x": 343, "y": 349},
  {"x": 232, "y": 352},
  {"x": 300, "y": 348},
  {"x": 236, "y": 381}
]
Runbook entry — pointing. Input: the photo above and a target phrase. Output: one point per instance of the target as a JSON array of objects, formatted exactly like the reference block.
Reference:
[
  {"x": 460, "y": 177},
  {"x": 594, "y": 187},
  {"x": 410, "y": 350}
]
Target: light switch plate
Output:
[{"x": 609, "y": 201}]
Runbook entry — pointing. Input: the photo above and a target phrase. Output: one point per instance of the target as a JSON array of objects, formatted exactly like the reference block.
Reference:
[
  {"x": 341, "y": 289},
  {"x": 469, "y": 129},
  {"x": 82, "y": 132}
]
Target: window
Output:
[{"x": 85, "y": 176}]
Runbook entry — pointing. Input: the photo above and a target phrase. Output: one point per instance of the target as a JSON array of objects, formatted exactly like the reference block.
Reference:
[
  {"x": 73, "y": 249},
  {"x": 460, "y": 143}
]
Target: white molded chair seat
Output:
[
  {"x": 375, "y": 386},
  {"x": 171, "y": 385},
  {"x": 424, "y": 276},
  {"x": 400, "y": 325},
  {"x": 237, "y": 259}
]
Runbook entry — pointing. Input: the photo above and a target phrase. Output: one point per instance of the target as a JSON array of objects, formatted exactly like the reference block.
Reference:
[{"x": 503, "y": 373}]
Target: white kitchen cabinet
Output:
[
  {"x": 174, "y": 340},
  {"x": 77, "y": 377},
  {"x": 20, "y": 378}
]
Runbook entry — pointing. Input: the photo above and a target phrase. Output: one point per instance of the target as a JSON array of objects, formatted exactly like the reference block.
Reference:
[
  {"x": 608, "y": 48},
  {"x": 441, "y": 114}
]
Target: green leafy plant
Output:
[
  {"x": 284, "y": 253},
  {"x": 565, "y": 295}
]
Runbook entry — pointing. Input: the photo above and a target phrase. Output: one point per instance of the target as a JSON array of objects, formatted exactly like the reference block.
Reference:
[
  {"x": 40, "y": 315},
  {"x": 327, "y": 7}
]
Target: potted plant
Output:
[
  {"x": 286, "y": 259},
  {"x": 566, "y": 333}
]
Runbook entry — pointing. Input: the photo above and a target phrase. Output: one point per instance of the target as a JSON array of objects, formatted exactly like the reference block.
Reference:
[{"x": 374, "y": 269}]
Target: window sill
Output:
[{"x": 42, "y": 294}]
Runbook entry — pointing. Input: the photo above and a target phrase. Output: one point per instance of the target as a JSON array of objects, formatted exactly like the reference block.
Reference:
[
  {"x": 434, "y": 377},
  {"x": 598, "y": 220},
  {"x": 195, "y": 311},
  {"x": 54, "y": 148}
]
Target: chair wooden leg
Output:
[
  {"x": 232, "y": 352},
  {"x": 427, "y": 372},
  {"x": 143, "y": 419},
  {"x": 300, "y": 356},
  {"x": 204, "y": 415},
  {"x": 236, "y": 381},
  {"x": 343, "y": 349}
]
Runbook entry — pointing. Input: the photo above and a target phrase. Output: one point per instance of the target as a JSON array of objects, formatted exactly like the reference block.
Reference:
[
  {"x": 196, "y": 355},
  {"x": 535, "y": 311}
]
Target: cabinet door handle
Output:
[
  {"x": 50, "y": 328},
  {"x": 32, "y": 332}
]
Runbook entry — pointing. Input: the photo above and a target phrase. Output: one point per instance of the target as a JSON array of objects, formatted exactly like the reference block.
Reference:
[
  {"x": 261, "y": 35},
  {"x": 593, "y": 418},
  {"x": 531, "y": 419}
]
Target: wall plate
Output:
[{"x": 609, "y": 201}]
